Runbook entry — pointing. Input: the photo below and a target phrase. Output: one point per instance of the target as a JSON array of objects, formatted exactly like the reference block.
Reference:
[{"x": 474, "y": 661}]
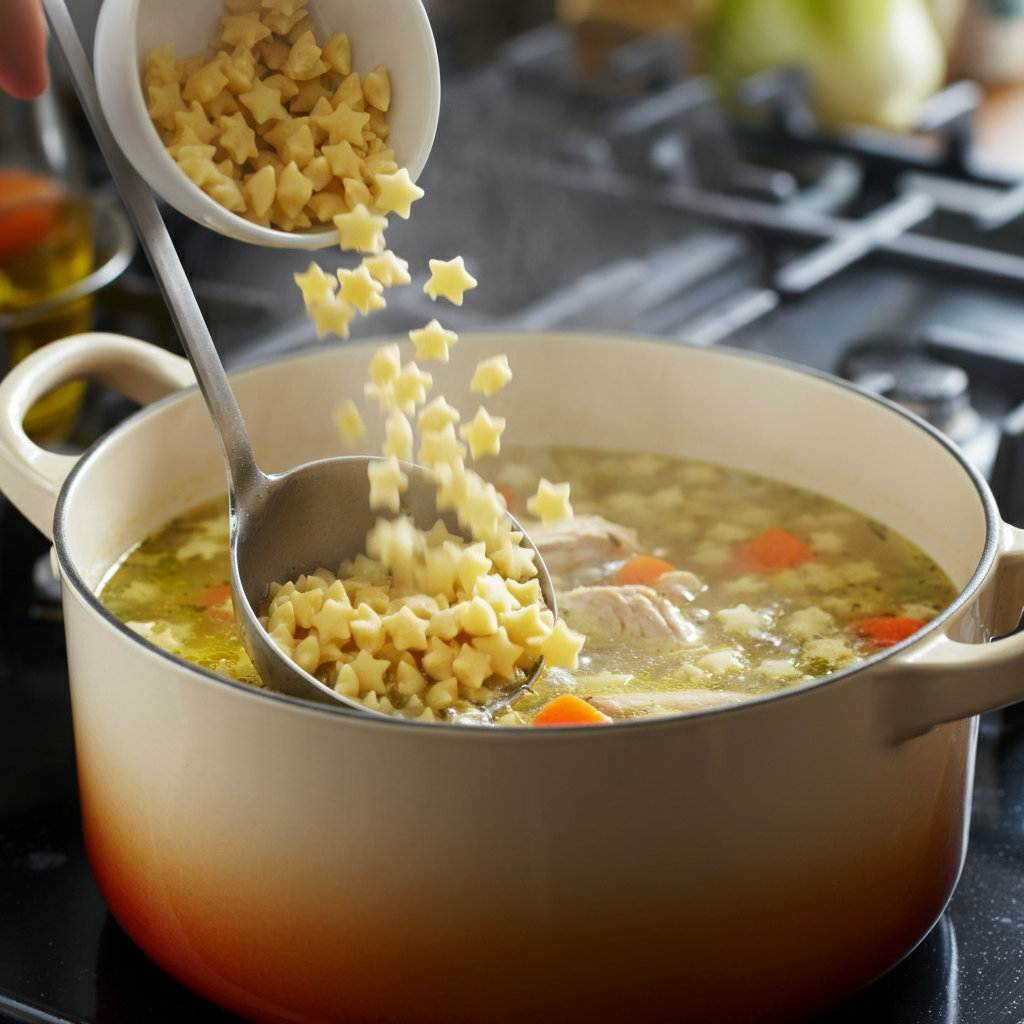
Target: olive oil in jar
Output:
[{"x": 46, "y": 246}]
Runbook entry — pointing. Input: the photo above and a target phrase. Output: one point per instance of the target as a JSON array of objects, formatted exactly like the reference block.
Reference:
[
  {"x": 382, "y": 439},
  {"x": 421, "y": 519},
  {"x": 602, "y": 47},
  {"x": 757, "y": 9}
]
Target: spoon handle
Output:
[{"x": 243, "y": 473}]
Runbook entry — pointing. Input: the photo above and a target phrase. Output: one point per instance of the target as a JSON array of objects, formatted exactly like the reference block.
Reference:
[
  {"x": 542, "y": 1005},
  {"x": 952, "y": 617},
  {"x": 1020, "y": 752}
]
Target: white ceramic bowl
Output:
[
  {"x": 298, "y": 864},
  {"x": 392, "y": 32}
]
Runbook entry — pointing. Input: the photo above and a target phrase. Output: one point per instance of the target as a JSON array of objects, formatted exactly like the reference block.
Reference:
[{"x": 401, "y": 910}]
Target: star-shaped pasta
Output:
[
  {"x": 361, "y": 230},
  {"x": 349, "y": 422},
  {"x": 515, "y": 562},
  {"x": 551, "y": 502},
  {"x": 387, "y": 481},
  {"x": 411, "y": 387},
  {"x": 433, "y": 341},
  {"x": 491, "y": 376},
  {"x": 397, "y": 193},
  {"x": 361, "y": 290},
  {"x": 343, "y": 124},
  {"x": 436, "y": 415},
  {"x": 472, "y": 667},
  {"x": 388, "y": 268},
  {"x": 407, "y": 630},
  {"x": 561, "y": 647},
  {"x": 385, "y": 364},
  {"x": 449, "y": 279},
  {"x": 370, "y": 671},
  {"x": 398, "y": 437},
  {"x": 440, "y": 447},
  {"x": 332, "y": 316},
  {"x": 484, "y": 434},
  {"x": 503, "y": 653},
  {"x": 315, "y": 285},
  {"x": 525, "y": 624}
]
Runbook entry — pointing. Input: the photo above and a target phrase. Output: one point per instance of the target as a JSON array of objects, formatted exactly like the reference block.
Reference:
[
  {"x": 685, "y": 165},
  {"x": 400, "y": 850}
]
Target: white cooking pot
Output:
[{"x": 295, "y": 863}]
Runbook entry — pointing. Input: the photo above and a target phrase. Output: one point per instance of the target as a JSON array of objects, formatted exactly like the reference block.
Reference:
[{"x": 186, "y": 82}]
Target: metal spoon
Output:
[{"x": 282, "y": 525}]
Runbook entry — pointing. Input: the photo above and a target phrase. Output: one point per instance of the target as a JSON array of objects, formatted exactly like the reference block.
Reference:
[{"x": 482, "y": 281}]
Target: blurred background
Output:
[{"x": 839, "y": 183}]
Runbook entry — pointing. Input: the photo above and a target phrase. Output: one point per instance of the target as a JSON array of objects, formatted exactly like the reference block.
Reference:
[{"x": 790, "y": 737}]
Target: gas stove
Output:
[{"x": 622, "y": 201}]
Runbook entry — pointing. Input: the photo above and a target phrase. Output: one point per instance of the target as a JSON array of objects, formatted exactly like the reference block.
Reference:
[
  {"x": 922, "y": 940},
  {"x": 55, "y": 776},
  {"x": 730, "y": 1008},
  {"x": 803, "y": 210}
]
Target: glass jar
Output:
[{"x": 46, "y": 245}]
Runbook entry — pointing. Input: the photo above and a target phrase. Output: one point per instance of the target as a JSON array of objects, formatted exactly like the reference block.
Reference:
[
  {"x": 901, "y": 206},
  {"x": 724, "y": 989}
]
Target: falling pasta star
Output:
[
  {"x": 491, "y": 376},
  {"x": 315, "y": 285},
  {"x": 388, "y": 268},
  {"x": 433, "y": 342},
  {"x": 449, "y": 279},
  {"x": 359, "y": 289},
  {"x": 361, "y": 230},
  {"x": 397, "y": 193},
  {"x": 387, "y": 481},
  {"x": 483, "y": 434},
  {"x": 332, "y": 316},
  {"x": 551, "y": 502},
  {"x": 349, "y": 422}
]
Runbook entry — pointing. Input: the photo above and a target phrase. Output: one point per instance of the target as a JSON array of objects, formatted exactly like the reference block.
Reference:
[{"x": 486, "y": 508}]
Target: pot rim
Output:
[{"x": 993, "y": 524}]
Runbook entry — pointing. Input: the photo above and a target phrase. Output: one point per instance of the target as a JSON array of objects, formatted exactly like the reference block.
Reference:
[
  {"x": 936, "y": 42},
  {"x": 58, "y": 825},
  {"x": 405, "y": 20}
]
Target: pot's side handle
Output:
[
  {"x": 30, "y": 476},
  {"x": 942, "y": 680}
]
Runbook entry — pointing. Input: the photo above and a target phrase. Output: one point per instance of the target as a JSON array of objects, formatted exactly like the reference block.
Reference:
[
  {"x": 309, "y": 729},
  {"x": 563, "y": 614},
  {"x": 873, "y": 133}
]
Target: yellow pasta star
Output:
[
  {"x": 332, "y": 316},
  {"x": 343, "y": 125},
  {"x": 387, "y": 481},
  {"x": 361, "y": 230},
  {"x": 503, "y": 653},
  {"x": 449, "y": 279},
  {"x": 407, "y": 630},
  {"x": 436, "y": 416},
  {"x": 433, "y": 342},
  {"x": 361, "y": 290},
  {"x": 561, "y": 647},
  {"x": 370, "y": 671},
  {"x": 315, "y": 285},
  {"x": 397, "y": 193},
  {"x": 388, "y": 268},
  {"x": 491, "y": 376},
  {"x": 411, "y": 387},
  {"x": 551, "y": 502},
  {"x": 483, "y": 434},
  {"x": 349, "y": 421}
]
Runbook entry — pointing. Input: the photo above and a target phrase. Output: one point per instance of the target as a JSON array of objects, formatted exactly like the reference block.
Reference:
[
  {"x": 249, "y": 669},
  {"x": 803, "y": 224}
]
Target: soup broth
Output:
[{"x": 695, "y": 585}]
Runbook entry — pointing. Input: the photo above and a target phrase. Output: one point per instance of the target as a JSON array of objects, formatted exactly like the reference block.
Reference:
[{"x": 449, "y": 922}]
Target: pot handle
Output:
[
  {"x": 30, "y": 476},
  {"x": 943, "y": 680}
]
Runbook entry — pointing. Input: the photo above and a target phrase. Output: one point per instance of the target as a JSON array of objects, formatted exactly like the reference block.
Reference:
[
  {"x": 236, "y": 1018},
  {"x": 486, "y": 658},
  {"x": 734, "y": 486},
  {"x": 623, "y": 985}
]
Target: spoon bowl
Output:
[
  {"x": 395, "y": 33},
  {"x": 314, "y": 516},
  {"x": 281, "y": 526}
]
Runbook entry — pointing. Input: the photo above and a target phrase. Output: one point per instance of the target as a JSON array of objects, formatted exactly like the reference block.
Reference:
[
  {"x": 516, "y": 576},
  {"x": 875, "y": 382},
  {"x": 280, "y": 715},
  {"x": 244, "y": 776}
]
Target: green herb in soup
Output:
[{"x": 696, "y": 586}]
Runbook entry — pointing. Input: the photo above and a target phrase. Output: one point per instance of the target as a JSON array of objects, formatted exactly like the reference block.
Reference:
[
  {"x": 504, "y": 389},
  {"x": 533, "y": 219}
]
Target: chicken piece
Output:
[
  {"x": 583, "y": 542},
  {"x": 630, "y": 612},
  {"x": 675, "y": 701},
  {"x": 679, "y": 586}
]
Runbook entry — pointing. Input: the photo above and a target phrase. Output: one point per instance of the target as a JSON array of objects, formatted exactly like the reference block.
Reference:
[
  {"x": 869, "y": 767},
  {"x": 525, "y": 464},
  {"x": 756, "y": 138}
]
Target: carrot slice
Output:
[
  {"x": 773, "y": 551},
  {"x": 886, "y": 630},
  {"x": 212, "y": 601},
  {"x": 28, "y": 210},
  {"x": 643, "y": 569},
  {"x": 570, "y": 710}
]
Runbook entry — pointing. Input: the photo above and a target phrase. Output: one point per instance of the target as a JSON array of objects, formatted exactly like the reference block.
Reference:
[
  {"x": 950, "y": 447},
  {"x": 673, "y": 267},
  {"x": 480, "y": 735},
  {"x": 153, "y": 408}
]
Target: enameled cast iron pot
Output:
[{"x": 295, "y": 863}]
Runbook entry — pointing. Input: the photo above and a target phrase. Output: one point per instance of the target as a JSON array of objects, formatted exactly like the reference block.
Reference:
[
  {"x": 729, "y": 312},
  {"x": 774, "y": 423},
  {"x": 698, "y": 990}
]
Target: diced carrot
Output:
[
  {"x": 886, "y": 630},
  {"x": 772, "y": 551},
  {"x": 214, "y": 599},
  {"x": 510, "y": 496},
  {"x": 28, "y": 210},
  {"x": 643, "y": 569},
  {"x": 570, "y": 710}
]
